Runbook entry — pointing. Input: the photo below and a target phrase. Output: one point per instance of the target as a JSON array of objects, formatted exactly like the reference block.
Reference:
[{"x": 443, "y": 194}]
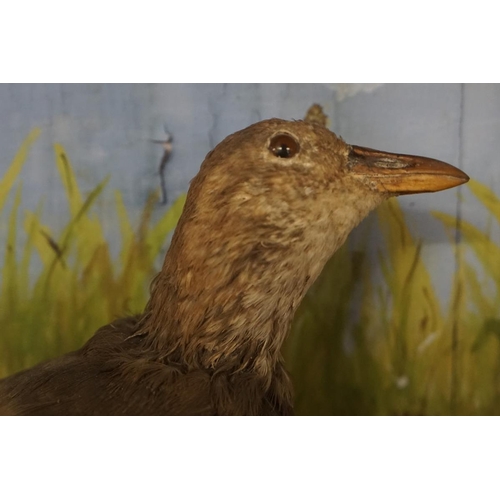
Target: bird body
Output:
[
  {"x": 112, "y": 374},
  {"x": 270, "y": 205}
]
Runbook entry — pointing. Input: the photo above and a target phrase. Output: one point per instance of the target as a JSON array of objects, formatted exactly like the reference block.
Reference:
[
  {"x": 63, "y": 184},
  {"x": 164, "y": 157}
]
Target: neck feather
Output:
[{"x": 221, "y": 307}]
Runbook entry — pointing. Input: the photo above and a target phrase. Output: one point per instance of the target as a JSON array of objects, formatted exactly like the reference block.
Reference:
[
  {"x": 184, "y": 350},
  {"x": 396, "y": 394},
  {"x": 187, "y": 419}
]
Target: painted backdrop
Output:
[{"x": 404, "y": 320}]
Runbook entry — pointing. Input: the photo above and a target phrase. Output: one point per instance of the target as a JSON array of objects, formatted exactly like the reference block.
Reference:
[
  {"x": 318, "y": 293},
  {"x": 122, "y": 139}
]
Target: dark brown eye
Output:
[{"x": 284, "y": 146}]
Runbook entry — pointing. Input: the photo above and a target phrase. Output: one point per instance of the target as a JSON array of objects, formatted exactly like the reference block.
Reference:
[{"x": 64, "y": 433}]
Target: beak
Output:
[{"x": 403, "y": 174}]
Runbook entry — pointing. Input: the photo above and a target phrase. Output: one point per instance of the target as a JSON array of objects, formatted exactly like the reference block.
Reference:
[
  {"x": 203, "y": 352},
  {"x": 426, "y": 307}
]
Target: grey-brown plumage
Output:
[{"x": 269, "y": 206}]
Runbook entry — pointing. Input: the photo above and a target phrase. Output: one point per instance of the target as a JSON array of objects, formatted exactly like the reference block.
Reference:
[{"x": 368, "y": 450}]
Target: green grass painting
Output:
[
  {"x": 357, "y": 347},
  {"x": 80, "y": 287}
]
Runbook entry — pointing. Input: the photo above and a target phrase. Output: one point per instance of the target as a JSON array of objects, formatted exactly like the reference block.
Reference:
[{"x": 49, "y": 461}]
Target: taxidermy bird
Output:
[{"x": 268, "y": 208}]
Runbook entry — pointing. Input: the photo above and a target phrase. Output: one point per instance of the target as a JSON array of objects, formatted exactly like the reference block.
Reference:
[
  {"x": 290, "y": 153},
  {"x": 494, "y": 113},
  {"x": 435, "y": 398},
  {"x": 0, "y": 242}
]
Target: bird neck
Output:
[
  {"x": 237, "y": 269},
  {"x": 224, "y": 305}
]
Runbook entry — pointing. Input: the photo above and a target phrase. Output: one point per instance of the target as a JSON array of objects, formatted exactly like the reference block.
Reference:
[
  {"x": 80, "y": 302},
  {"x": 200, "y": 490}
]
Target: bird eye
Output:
[{"x": 284, "y": 146}]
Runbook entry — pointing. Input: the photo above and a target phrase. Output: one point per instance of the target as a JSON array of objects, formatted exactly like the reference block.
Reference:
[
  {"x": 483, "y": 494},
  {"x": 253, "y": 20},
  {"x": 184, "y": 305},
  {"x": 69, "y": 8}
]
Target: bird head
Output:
[{"x": 292, "y": 184}]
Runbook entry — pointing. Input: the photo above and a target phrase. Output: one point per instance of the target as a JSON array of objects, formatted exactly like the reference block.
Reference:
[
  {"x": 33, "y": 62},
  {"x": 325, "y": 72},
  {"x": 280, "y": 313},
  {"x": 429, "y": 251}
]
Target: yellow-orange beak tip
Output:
[{"x": 399, "y": 174}]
